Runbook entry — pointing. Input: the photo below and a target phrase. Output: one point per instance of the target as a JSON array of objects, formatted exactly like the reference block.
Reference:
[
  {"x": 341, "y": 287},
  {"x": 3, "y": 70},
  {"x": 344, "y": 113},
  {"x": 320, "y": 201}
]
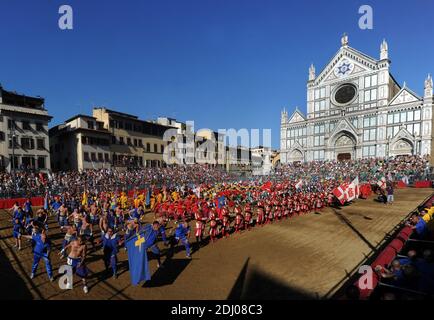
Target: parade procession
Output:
[{"x": 198, "y": 151}]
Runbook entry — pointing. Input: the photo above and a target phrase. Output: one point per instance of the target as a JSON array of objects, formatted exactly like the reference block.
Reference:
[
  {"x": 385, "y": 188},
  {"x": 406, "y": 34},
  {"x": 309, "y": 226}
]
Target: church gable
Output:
[
  {"x": 402, "y": 134},
  {"x": 405, "y": 95},
  {"x": 344, "y": 125},
  {"x": 296, "y": 117},
  {"x": 346, "y": 62},
  {"x": 296, "y": 146}
]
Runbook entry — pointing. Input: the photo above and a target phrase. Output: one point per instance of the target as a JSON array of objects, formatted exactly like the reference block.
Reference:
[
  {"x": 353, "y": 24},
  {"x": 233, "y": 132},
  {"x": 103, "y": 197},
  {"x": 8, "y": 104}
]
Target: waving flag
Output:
[
  {"x": 299, "y": 184},
  {"x": 148, "y": 196},
  {"x": 353, "y": 190},
  {"x": 138, "y": 257},
  {"x": 340, "y": 194},
  {"x": 46, "y": 202},
  {"x": 84, "y": 200},
  {"x": 382, "y": 183},
  {"x": 221, "y": 201},
  {"x": 266, "y": 186}
]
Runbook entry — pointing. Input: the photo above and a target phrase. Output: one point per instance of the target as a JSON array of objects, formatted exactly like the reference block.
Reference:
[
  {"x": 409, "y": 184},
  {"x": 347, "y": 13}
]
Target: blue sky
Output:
[{"x": 221, "y": 63}]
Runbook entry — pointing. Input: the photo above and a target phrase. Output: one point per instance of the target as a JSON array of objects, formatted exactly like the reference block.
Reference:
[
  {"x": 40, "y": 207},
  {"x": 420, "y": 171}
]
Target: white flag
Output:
[{"x": 299, "y": 184}]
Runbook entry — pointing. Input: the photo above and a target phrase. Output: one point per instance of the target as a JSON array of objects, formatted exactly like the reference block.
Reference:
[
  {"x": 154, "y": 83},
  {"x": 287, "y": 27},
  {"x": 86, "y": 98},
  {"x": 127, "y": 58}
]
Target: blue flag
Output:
[
  {"x": 221, "y": 202},
  {"x": 46, "y": 203},
  {"x": 137, "y": 257},
  {"x": 148, "y": 197}
]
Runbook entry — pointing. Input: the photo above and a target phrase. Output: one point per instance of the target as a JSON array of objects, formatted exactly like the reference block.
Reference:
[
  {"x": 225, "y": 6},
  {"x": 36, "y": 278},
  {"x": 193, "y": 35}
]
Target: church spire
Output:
[
  {"x": 284, "y": 115},
  {"x": 344, "y": 40},
  {"x": 311, "y": 72},
  {"x": 428, "y": 87},
  {"x": 384, "y": 50}
]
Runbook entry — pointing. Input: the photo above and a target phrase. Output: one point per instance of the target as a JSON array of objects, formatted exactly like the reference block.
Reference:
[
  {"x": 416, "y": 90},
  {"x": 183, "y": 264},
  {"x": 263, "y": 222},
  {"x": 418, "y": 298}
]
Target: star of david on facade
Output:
[{"x": 344, "y": 68}]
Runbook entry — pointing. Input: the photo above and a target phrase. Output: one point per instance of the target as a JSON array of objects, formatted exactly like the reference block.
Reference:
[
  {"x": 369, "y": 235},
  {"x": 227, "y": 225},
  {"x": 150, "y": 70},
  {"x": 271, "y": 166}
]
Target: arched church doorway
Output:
[{"x": 345, "y": 147}]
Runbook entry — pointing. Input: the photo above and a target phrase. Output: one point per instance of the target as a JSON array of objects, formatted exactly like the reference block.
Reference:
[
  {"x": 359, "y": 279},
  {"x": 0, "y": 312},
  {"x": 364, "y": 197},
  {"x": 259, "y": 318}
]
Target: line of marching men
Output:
[{"x": 116, "y": 218}]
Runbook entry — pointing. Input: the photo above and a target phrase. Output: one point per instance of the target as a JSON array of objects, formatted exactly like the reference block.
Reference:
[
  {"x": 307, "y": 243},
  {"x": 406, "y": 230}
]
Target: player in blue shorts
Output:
[
  {"x": 110, "y": 244},
  {"x": 182, "y": 233},
  {"x": 41, "y": 250},
  {"x": 76, "y": 259},
  {"x": 17, "y": 232}
]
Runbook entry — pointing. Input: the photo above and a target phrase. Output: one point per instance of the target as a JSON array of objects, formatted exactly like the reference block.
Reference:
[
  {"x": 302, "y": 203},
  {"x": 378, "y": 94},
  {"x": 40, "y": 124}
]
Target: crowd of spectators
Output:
[{"x": 30, "y": 183}]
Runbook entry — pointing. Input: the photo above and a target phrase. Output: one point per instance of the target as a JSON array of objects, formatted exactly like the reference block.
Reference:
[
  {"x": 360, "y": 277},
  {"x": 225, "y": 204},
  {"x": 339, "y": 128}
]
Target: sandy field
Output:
[{"x": 305, "y": 257}]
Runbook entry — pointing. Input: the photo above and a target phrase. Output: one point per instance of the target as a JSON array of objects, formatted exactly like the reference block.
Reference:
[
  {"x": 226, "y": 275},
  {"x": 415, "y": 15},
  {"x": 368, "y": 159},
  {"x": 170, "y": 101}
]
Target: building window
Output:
[
  {"x": 318, "y": 155},
  {"x": 11, "y": 124},
  {"x": 90, "y": 125},
  {"x": 390, "y": 118},
  {"x": 40, "y": 144},
  {"x": 162, "y": 148},
  {"x": 28, "y": 143},
  {"x": 371, "y": 81},
  {"x": 148, "y": 147},
  {"x": 416, "y": 115},
  {"x": 129, "y": 141},
  {"x": 155, "y": 148},
  {"x": 410, "y": 115},
  {"x": 100, "y": 157},
  {"x": 128, "y": 126},
  {"x": 319, "y": 128},
  {"x": 121, "y": 124},
  {"x": 41, "y": 162},
  {"x": 141, "y": 143},
  {"x": 320, "y": 93},
  {"x": 136, "y": 143},
  {"x": 369, "y": 122},
  {"x": 369, "y": 151},
  {"x": 15, "y": 142},
  {"x": 370, "y": 95},
  {"x": 369, "y": 134},
  {"x": 318, "y": 141},
  {"x": 113, "y": 140},
  {"x": 86, "y": 156},
  {"x": 93, "y": 156},
  {"x": 106, "y": 157},
  {"x": 26, "y": 125},
  {"x": 121, "y": 140},
  {"x": 2, "y": 136}
]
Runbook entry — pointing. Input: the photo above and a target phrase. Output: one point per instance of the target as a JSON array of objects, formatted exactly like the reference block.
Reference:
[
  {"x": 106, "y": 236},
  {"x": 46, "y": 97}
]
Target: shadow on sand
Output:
[
  {"x": 254, "y": 284},
  {"x": 10, "y": 279}
]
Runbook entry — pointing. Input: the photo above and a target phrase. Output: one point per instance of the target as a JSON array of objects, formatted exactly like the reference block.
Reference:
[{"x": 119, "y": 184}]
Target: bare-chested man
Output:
[
  {"x": 104, "y": 223},
  {"x": 86, "y": 230},
  {"x": 77, "y": 218},
  {"x": 70, "y": 234},
  {"x": 63, "y": 216},
  {"x": 76, "y": 259}
]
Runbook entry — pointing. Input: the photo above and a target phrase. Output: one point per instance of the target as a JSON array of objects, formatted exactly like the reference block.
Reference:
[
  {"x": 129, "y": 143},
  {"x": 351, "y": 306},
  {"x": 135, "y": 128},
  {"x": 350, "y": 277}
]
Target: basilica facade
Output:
[{"x": 356, "y": 109}]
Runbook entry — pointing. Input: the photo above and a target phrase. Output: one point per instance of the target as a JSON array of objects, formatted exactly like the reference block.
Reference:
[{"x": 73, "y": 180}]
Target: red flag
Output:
[
  {"x": 266, "y": 186},
  {"x": 340, "y": 194}
]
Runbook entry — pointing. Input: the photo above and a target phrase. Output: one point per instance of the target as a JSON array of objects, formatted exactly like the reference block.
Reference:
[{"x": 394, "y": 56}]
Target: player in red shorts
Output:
[
  {"x": 225, "y": 226},
  {"x": 200, "y": 226},
  {"x": 213, "y": 231},
  {"x": 268, "y": 214},
  {"x": 260, "y": 216},
  {"x": 248, "y": 220},
  {"x": 239, "y": 222}
]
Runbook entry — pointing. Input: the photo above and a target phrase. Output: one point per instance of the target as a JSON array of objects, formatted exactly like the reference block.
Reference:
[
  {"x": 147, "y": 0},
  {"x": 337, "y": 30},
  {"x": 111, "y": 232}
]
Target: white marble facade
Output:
[{"x": 356, "y": 109}]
